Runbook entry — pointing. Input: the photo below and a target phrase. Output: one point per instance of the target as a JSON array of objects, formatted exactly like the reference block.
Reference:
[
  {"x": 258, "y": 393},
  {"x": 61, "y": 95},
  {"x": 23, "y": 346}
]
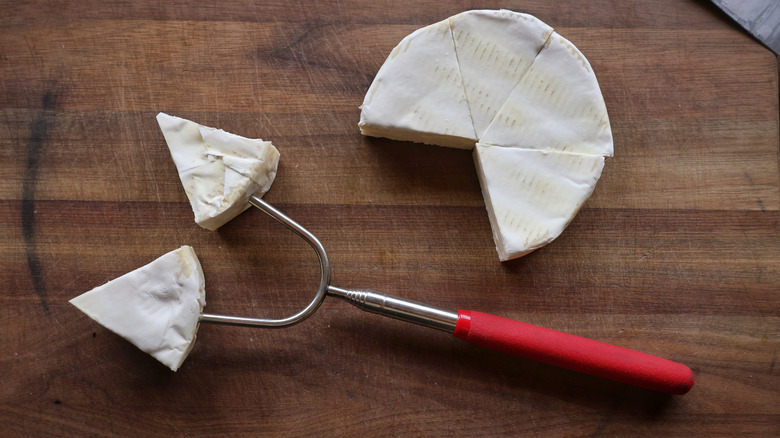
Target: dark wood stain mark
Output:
[{"x": 39, "y": 132}]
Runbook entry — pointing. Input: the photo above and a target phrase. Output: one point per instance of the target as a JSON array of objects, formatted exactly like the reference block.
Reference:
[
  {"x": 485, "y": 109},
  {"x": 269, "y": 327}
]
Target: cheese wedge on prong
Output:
[
  {"x": 219, "y": 170},
  {"x": 156, "y": 307}
]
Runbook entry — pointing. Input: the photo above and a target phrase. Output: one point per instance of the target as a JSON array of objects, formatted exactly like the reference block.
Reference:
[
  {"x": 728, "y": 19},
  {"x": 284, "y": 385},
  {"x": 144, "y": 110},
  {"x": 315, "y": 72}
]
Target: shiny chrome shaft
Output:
[{"x": 398, "y": 308}]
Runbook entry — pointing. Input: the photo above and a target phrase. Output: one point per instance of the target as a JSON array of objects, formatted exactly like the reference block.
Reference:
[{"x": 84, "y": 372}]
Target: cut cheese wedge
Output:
[
  {"x": 418, "y": 93},
  {"x": 556, "y": 105},
  {"x": 156, "y": 307},
  {"x": 494, "y": 50},
  {"x": 219, "y": 170},
  {"x": 532, "y": 195},
  {"x": 536, "y": 113}
]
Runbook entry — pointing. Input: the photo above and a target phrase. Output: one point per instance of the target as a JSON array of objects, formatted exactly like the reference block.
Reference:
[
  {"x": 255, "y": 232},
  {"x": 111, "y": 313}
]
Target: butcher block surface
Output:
[{"x": 676, "y": 254}]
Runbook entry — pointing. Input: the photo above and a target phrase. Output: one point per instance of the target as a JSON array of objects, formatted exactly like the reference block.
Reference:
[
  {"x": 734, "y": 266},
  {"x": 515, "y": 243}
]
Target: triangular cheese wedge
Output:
[
  {"x": 532, "y": 195},
  {"x": 156, "y": 307},
  {"x": 219, "y": 170},
  {"x": 418, "y": 95},
  {"x": 494, "y": 49},
  {"x": 556, "y": 105}
]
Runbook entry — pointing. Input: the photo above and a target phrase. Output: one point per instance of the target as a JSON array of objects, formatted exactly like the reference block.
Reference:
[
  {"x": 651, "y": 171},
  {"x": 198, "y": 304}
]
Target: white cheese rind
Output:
[
  {"x": 556, "y": 105},
  {"x": 494, "y": 49},
  {"x": 219, "y": 170},
  {"x": 418, "y": 94},
  {"x": 531, "y": 195},
  {"x": 156, "y": 307}
]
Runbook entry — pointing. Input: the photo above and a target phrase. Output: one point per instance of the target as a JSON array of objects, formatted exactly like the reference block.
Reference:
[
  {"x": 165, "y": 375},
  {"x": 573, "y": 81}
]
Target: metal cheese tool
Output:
[{"x": 514, "y": 337}]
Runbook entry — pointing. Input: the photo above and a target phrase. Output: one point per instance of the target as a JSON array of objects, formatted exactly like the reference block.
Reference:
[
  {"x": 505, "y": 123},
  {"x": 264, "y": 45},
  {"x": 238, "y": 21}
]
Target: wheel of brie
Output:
[{"x": 521, "y": 96}]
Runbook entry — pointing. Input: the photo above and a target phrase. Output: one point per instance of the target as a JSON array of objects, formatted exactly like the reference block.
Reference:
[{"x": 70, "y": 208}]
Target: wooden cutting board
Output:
[{"x": 676, "y": 253}]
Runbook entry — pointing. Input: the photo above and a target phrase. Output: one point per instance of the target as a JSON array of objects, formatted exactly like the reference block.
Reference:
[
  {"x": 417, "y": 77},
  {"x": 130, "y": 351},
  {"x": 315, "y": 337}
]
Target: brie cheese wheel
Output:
[
  {"x": 538, "y": 123},
  {"x": 156, "y": 307},
  {"x": 219, "y": 170}
]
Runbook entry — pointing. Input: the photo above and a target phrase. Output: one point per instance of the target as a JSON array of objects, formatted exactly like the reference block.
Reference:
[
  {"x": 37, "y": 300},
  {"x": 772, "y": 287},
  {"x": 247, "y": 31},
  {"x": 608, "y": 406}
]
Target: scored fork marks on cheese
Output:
[
  {"x": 494, "y": 50},
  {"x": 532, "y": 195},
  {"x": 508, "y": 86},
  {"x": 418, "y": 95},
  {"x": 549, "y": 110}
]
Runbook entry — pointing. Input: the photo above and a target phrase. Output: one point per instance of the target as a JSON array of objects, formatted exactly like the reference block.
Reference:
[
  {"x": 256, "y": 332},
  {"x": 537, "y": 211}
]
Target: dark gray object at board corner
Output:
[{"x": 759, "y": 17}]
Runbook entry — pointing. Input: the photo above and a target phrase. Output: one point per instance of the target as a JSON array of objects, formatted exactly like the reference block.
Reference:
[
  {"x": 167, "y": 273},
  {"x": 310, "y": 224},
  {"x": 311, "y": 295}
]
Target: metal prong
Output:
[{"x": 318, "y": 297}]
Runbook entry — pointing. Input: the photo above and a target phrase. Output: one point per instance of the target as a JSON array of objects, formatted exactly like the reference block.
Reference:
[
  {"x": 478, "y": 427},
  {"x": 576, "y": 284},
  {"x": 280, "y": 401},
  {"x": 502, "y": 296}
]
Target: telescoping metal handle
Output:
[
  {"x": 533, "y": 342},
  {"x": 526, "y": 340}
]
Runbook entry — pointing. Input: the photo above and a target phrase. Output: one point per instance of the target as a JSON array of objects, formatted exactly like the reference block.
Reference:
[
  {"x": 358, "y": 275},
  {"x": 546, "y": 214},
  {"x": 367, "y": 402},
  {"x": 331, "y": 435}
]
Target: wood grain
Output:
[{"x": 677, "y": 253}]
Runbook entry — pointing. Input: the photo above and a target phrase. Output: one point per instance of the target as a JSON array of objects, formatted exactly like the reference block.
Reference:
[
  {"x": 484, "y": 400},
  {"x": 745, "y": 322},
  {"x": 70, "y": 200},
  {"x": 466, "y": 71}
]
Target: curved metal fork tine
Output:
[{"x": 321, "y": 291}]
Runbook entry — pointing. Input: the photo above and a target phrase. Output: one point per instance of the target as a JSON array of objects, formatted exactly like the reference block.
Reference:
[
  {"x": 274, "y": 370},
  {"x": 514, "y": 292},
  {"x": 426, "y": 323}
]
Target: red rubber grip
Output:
[{"x": 573, "y": 352}]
